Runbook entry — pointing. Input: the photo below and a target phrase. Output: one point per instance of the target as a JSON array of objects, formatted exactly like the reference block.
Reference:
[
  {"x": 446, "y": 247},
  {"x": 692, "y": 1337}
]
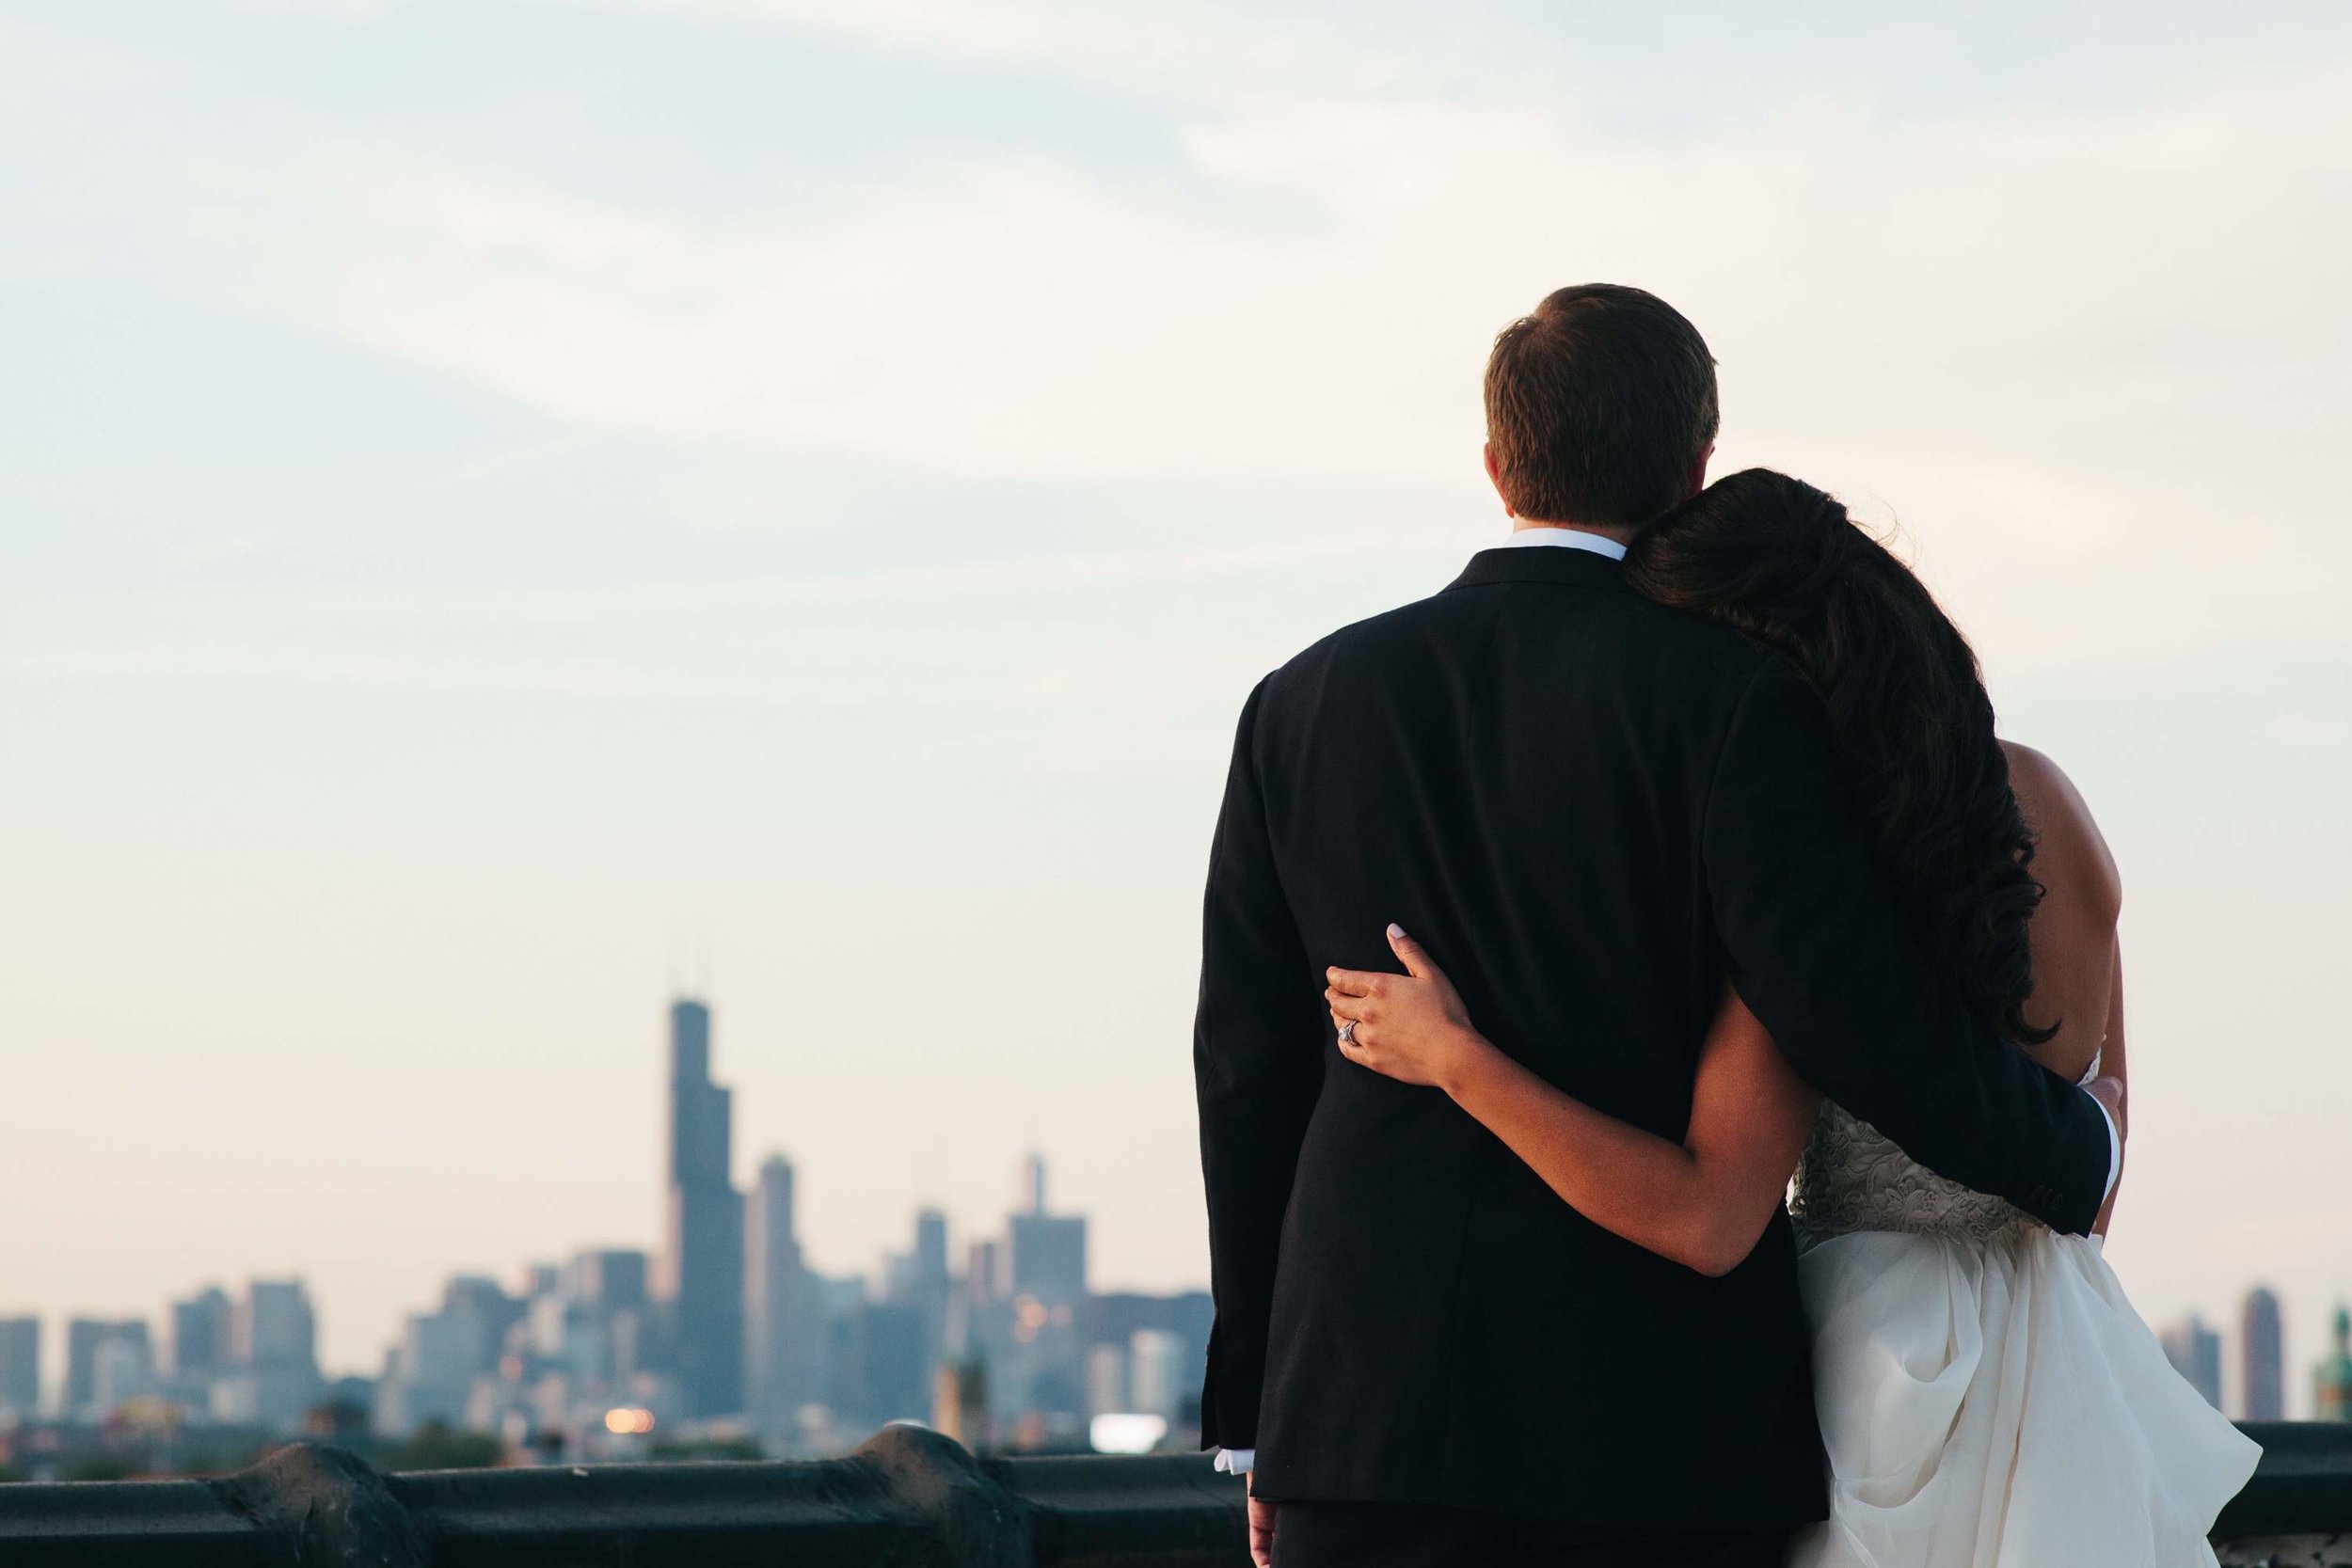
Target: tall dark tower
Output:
[
  {"x": 2261, "y": 1342},
  {"x": 701, "y": 1273}
]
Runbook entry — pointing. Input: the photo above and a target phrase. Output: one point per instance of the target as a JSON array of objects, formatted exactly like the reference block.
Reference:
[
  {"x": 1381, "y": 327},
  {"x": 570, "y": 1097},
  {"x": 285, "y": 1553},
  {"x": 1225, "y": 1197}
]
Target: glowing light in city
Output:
[
  {"x": 1126, "y": 1432},
  {"x": 626, "y": 1421}
]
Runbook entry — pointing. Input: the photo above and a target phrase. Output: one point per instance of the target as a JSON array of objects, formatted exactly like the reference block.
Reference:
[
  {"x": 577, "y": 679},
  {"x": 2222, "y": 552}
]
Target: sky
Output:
[{"x": 507, "y": 509}]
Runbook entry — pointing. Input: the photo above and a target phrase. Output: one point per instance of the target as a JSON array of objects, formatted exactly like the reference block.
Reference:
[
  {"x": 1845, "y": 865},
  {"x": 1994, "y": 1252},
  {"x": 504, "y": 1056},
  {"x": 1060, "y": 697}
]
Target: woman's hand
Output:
[{"x": 1412, "y": 1026}]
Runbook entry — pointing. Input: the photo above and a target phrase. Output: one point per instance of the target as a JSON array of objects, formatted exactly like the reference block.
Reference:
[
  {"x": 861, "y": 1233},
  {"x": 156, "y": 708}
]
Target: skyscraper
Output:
[
  {"x": 2261, "y": 1348},
  {"x": 919, "y": 1278},
  {"x": 701, "y": 1276},
  {"x": 1049, "y": 1251},
  {"x": 19, "y": 1366},
  {"x": 784, "y": 1338},
  {"x": 1049, "y": 1257},
  {"x": 2195, "y": 1351},
  {"x": 273, "y": 1348},
  {"x": 931, "y": 1253},
  {"x": 271, "y": 1325},
  {"x": 200, "y": 1336},
  {"x": 1038, "y": 1374}
]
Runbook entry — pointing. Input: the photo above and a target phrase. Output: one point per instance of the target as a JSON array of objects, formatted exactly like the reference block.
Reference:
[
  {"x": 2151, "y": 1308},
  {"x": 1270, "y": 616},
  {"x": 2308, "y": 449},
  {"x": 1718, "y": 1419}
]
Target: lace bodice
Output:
[{"x": 1854, "y": 1178}]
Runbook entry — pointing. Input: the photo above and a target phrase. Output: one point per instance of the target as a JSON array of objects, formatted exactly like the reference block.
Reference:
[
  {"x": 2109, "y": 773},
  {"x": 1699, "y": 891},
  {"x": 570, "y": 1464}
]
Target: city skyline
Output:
[
  {"x": 719, "y": 1319},
  {"x": 2251, "y": 1369},
  {"x": 632, "y": 1332}
]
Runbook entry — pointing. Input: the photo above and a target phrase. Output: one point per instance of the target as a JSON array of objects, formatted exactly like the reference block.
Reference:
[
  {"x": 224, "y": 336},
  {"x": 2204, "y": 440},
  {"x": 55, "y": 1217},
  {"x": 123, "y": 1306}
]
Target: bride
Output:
[{"x": 1988, "y": 1397}]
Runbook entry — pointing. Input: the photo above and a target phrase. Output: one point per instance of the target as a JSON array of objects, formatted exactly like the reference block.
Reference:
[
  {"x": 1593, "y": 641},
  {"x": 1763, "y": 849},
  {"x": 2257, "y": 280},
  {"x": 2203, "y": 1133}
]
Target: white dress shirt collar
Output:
[{"x": 1566, "y": 539}]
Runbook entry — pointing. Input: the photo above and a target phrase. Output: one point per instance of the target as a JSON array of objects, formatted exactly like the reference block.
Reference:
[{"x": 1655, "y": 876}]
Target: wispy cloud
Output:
[{"x": 2047, "y": 318}]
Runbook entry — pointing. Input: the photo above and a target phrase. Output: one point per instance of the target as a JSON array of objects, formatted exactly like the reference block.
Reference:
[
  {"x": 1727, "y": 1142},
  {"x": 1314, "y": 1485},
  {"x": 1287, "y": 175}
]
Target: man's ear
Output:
[
  {"x": 1494, "y": 475},
  {"x": 1697, "y": 480}
]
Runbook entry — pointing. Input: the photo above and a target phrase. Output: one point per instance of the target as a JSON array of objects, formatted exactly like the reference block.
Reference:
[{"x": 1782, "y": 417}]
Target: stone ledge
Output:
[{"x": 909, "y": 1498}]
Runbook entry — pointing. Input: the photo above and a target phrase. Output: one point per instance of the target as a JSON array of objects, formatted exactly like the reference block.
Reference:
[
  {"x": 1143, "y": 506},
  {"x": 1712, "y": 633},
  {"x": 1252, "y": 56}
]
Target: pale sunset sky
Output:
[{"x": 495, "y": 497}]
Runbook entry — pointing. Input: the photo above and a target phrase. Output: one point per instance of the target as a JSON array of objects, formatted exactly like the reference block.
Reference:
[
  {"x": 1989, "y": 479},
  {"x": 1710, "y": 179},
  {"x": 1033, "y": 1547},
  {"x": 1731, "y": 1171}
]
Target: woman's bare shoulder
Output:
[{"x": 2070, "y": 851}]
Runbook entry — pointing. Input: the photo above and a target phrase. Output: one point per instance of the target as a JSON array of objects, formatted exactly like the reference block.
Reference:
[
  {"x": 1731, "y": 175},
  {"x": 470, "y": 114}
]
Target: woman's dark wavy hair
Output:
[{"x": 1782, "y": 562}]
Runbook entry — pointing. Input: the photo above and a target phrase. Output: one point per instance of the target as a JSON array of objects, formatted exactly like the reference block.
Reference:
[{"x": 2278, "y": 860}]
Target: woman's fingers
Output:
[
  {"x": 1356, "y": 982},
  {"x": 1409, "y": 954}
]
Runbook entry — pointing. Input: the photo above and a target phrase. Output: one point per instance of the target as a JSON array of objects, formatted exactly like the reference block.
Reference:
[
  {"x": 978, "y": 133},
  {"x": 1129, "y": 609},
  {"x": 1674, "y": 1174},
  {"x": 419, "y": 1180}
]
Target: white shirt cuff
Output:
[
  {"x": 1236, "y": 1462},
  {"x": 2115, "y": 1151}
]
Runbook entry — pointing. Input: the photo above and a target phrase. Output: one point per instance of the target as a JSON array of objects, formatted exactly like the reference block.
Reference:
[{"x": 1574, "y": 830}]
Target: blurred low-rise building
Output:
[
  {"x": 108, "y": 1362},
  {"x": 554, "y": 1367},
  {"x": 429, "y": 1376},
  {"x": 2331, "y": 1380},
  {"x": 20, "y": 1368},
  {"x": 1148, "y": 1355},
  {"x": 2195, "y": 1351}
]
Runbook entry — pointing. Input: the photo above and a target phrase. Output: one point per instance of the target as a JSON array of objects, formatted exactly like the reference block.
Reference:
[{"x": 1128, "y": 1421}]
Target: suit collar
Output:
[{"x": 1582, "y": 568}]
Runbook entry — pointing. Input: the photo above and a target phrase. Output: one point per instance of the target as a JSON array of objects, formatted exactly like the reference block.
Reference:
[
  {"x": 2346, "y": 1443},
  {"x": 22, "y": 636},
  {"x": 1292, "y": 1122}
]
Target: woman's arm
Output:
[
  {"x": 2071, "y": 934},
  {"x": 2111, "y": 1066},
  {"x": 1703, "y": 1202},
  {"x": 2078, "y": 961}
]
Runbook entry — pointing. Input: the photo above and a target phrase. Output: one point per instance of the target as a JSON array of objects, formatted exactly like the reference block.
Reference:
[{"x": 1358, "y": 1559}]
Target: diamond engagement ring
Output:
[{"x": 1347, "y": 1033}]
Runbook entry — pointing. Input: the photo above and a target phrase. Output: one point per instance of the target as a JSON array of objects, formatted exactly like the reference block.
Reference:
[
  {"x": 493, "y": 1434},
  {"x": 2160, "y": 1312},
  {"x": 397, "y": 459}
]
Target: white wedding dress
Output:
[{"x": 1988, "y": 1397}]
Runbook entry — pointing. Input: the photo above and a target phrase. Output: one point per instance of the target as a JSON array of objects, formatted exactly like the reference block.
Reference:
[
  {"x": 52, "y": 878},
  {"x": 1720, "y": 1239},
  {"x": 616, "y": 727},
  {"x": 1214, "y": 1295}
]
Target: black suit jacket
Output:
[{"x": 1590, "y": 809}]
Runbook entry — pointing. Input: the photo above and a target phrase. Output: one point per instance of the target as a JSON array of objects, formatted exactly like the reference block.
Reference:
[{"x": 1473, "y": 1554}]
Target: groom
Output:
[{"x": 1591, "y": 809}]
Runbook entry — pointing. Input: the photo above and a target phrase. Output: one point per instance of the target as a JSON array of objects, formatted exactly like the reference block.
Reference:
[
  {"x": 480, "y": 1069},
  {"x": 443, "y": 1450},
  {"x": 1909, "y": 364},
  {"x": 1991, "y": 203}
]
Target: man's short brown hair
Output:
[{"x": 1596, "y": 406}]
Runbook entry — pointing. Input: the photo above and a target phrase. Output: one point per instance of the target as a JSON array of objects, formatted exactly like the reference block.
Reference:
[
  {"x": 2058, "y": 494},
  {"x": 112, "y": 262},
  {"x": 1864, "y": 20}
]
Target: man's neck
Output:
[{"x": 1618, "y": 532}]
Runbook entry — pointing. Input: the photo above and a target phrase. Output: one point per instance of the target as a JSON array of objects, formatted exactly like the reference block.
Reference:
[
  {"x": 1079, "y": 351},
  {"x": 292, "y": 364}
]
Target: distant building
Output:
[
  {"x": 430, "y": 1375},
  {"x": 2331, "y": 1381},
  {"x": 107, "y": 1360},
  {"x": 1159, "y": 1367},
  {"x": 783, "y": 1327},
  {"x": 272, "y": 1325},
  {"x": 545, "y": 1366},
  {"x": 199, "y": 1336},
  {"x": 613, "y": 1278},
  {"x": 1049, "y": 1258},
  {"x": 83, "y": 1336},
  {"x": 1032, "y": 1341},
  {"x": 273, "y": 1376},
  {"x": 20, "y": 1367},
  {"x": 606, "y": 1313},
  {"x": 929, "y": 1282},
  {"x": 918, "y": 1278},
  {"x": 879, "y": 1369},
  {"x": 984, "y": 1276},
  {"x": 2262, "y": 1351},
  {"x": 1160, "y": 1347},
  {"x": 700, "y": 1277},
  {"x": 125, "y": 1367},
  {"x": 2195, "y": 1351},
  {"x": 1106, "y": 1380}
]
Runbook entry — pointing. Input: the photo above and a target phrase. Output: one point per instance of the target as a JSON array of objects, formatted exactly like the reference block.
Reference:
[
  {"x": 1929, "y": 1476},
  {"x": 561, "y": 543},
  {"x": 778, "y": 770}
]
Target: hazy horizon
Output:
[{"x": 497, "y": 500}]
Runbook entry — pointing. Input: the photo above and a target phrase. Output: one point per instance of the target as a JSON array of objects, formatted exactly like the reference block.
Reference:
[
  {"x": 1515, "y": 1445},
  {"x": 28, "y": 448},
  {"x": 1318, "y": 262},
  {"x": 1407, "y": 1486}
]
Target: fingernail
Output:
[{"x": 1394, "y": 929}]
